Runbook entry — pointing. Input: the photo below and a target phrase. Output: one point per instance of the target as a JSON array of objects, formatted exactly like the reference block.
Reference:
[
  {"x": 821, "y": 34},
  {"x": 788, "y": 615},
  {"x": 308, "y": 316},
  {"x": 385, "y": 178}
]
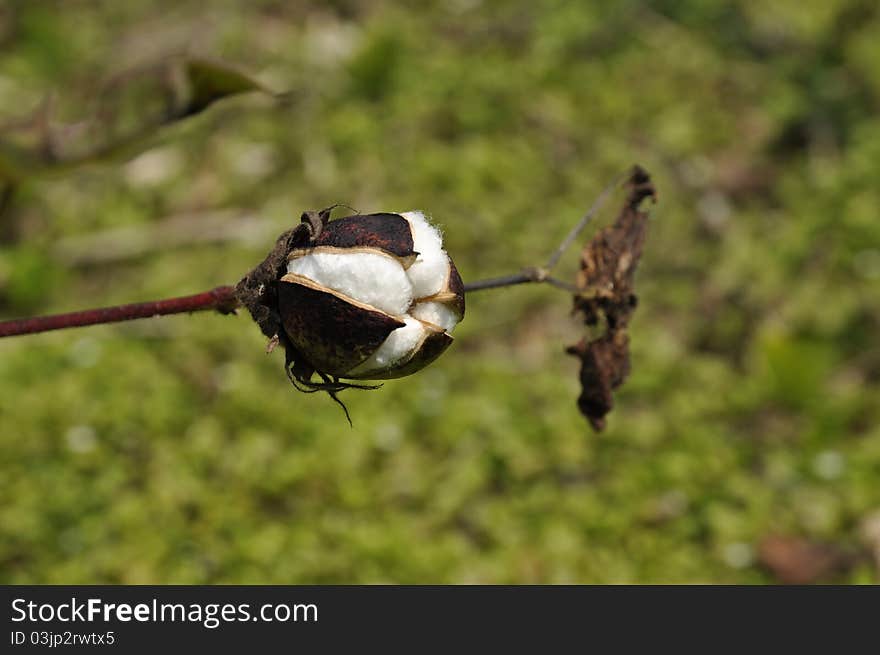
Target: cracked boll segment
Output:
[
  {"x": 372, "y": 278},
  {"x": 430, "y": 271},
  {"x": 364, "y": 267},
  {"x": 436, "y": 313},
  {"x": 397, "y": 347}
]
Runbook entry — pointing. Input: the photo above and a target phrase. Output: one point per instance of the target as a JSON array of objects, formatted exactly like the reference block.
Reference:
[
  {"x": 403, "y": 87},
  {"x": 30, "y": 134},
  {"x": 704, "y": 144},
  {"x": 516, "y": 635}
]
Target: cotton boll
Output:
[
  {"x": 435, "y": 313},
  {"x": 429, "y": 272},
  {"x": 366, "y": 297},
  {"x": 374, "y": 279},
  {"x": 400, "y": 345}
]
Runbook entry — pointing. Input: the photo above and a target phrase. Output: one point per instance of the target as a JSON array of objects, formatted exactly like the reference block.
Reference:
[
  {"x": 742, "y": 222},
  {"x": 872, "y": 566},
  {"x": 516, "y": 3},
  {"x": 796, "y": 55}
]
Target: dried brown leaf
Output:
[{"x": 607, "y": 291}]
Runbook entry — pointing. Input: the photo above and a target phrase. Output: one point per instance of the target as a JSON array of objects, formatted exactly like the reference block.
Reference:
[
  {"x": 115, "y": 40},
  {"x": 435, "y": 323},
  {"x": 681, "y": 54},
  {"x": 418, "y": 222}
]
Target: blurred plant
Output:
[
  {"x": 132, "y": 111},
  {"x": 797, "y": 560}
]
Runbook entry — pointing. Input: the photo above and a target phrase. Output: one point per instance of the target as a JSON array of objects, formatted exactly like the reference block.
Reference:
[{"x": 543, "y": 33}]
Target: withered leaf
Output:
[
  {"x": 606, "y": 293},
  {"x": 210, "y": 81}
]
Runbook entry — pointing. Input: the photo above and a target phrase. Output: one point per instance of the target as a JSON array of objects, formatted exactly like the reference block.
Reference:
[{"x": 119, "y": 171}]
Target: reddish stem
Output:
[{"x": 221, "y": 298}]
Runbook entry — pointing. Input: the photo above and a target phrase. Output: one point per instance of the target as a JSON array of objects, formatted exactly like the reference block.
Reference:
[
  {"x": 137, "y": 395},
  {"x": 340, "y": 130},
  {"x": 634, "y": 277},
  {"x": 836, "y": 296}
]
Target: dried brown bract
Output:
[{"x": 606, "y": 290}]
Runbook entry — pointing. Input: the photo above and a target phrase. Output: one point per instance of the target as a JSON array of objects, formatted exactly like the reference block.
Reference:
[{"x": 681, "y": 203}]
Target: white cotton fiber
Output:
[
  {"x": 371, "y": 278},
  {"x": 426, "y": 237},
  {"x": 435, "y": 313},
  {"x": 429, "y": 272},
  {"x": 400, "y": 345}
]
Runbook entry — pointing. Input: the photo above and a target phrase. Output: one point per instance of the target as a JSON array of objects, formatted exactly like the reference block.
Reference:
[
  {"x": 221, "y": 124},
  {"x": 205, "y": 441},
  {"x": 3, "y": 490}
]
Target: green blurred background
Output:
[{"x": 745, "y": 446}]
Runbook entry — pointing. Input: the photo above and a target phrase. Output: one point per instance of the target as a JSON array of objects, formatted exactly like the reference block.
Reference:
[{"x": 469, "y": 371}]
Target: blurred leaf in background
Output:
[{"x": 132, "y": 111}]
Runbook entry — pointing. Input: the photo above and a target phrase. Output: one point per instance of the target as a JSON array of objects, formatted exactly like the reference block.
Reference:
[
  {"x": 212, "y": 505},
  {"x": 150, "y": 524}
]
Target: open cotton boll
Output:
[
  {"x": 367, "y": 297},
  {"x": 371, "y": 278},
  {"x": 435, "y": 313},
  {"x": 400, "y": 345},
  {"x": 429, "y": 271}
]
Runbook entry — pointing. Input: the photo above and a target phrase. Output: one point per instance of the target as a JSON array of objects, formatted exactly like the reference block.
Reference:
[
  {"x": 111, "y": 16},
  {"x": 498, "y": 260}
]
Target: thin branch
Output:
[
  {"x": 525, "y": 276},
  {"x": 577, "y": 229},
  {"x": 542, "y": 274},
  {"x": 568, "y": 287},
  {"x": 221, "y": 299},
  {"x": 503, "y": 281}
]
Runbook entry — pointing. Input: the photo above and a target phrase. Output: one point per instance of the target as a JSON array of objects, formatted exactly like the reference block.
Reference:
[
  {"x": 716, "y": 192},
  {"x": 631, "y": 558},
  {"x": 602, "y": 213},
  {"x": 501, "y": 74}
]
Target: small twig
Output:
[
  {"x": 526, "y": 276},
  {"x": 568, "y": 287},
  {"x": 577, "y": 229},
  {"x": 542, "y": 274},
  {"x": 503, "y": 281},
  {"x": 221, "y": 298}
]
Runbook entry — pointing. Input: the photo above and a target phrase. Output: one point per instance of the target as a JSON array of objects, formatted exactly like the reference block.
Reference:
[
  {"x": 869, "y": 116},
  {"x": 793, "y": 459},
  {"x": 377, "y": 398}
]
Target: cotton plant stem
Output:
[
  {"x": 220, "y": 298},
  {"x": 523, "y": 277},
  {"x": 542, "y": 274},
  {"x": 526, "y": 276},
  {"x": 223, "y": 298}
]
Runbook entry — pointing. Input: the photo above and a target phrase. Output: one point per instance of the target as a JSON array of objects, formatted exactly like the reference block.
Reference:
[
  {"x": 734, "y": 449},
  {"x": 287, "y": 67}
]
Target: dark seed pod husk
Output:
[
  {"x": 388, "y": 232},
  {"x": 456, "y": 286},
  {"x": 406, "y": 262},
  {"x": 451, "y": 294},
  {"x": 432, "y": 347},
  {"x": 319, "y": 322}
]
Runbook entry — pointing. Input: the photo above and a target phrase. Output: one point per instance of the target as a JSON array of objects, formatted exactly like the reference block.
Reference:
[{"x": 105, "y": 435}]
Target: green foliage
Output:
[{"x": 174, "y": 450}]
